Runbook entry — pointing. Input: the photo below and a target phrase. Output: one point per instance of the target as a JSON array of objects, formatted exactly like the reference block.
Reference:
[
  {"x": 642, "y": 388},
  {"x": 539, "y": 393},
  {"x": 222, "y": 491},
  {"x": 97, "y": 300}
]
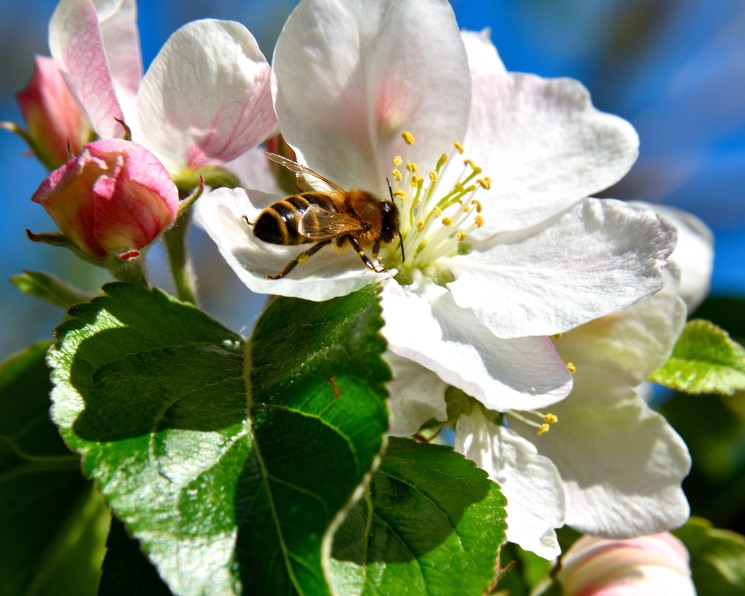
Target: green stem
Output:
[
  {"x": 132, "y": 271},
  {"x": 178, "y": 258}
]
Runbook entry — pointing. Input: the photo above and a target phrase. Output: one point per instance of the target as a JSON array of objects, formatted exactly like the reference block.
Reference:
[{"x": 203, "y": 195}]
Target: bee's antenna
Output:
[{"x": 400, "y": 237}]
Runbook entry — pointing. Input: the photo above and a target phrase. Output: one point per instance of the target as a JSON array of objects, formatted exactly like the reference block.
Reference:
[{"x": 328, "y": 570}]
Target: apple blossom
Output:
[
  {"x": 619, "y": 464},
  {"x": 204, "y": 101},
  {"x": 114, "y": 197},
  {"x": 54, "y": 122},
  {"x": 648, "y": 565},
  {"x": 502, "y": 247}
]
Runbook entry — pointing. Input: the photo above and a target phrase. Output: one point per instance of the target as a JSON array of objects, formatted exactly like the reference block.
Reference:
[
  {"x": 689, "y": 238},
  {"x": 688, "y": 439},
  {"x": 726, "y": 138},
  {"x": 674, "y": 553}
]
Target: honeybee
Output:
[{"x": 322, "y": 217}]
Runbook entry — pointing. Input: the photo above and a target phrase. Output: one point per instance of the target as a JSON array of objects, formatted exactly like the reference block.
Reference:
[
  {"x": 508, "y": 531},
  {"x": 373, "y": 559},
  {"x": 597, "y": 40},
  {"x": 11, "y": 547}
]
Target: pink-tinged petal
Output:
[
  {"x": 350, "y": 76},
  {"x": 333, "y": 271},
  {"x": 530, "y": 481},
  {"x": 542, "y": 143},
  {"x": 423, "y": 323},
  {"x": 53, "y": 117},
  {"x": 76, "y": 45},
  {"x": 121, "y": 39},
  {"x": 206, "y": 98},
  {"x": 622, "y": 464},
  {"x": 595, "y": 258},
  {"x": 136, "y": 199},
  {"x": 648, "y": 565},
  {"x": 115, "y": 196}
]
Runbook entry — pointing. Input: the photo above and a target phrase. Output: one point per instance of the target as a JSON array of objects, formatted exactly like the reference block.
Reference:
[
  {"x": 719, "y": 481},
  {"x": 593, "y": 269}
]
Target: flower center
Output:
[{"x": 435, "y": 218}]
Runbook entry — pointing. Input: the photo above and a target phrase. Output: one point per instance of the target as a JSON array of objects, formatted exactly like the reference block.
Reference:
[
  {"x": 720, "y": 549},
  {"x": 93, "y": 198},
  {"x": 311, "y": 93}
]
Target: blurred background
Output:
[{"x": 674, "y": 68}]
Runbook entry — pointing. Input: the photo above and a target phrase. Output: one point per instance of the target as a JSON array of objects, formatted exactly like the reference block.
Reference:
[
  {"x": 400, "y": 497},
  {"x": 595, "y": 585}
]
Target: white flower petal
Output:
[
  {"x": 622, "y": 464},
  {"x": 483, "y": 60},
  {"x": 351, "y": 75},
  {"x": 416, "y": 396},
  {"x": 76, "y": 45},
  {"x": 544, "y": 146},
  {"x": 254, "y": 171},
  {"x": 423, "y": 323},
  {"x": 595, "y": 258},
  {"x": 121, "y": 39},
  {"x": 633, "y": 342},
  {"x": 531, "y": 483},
  {"x": 206, "y": 98},
  {"x": 332, "y": 272},
  {"x": 693, "y": 257}
]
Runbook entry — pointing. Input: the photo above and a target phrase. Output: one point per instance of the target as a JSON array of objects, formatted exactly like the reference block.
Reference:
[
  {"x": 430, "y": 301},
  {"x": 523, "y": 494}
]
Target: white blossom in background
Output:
[
  {"x": 204, "y": 101},
  {"x": 503, "y": 247}
]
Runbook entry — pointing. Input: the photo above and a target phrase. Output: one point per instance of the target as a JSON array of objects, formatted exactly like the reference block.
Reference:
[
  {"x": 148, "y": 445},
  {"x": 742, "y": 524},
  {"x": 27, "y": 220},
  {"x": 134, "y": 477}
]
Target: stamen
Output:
[
  {"x": 420, "y": 225},
  {"x": 446, "y": 221},
  {"x": 551, "y": 418},
  {"x": 484, "y": 182},
  {"x": 479, "y": 221},
  {"x": 412, "y": 167},
  {"x": 433, "y": 176},
  {"x": 459, "y": 147},
  {"x": 397, "y": 175},
  {"x": 478, "y": 205},
  {"x": 461, "y": 236},
  {"x": 441, "y": 162},
  {"x": 572, "y": 369},
  {"x": 543, "y": 429},
  {"x": 557, "y": 335},
  {"x": 408, "y": 137},
  {"x": 400, "y": 194},
  {"x": 397, "y": 161},
  {"x": 437, "y": 211}
]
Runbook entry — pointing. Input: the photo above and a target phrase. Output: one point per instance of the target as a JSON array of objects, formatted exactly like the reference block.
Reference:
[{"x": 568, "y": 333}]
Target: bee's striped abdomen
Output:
[{"x": 278, "y": 223}]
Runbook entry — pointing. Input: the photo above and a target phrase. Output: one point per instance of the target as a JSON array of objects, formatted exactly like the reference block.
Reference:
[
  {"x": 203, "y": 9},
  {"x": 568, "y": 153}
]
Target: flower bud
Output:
[
  {"x": 655, "y": 564},
  {"x": 52, "y": 115},
  {"x": 114, "y": 197}
]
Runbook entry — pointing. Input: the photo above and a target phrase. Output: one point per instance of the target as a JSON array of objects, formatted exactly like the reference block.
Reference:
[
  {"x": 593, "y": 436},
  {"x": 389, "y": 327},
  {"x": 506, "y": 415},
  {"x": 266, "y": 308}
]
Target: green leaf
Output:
[
  {"x": 717, "y": 558},
  {"x": 704, "y": 360},
  {"x": 431, "y": 523},
  {"x": 48, "y": 287},
  {"x": 228, "y": 462},
  {"x": 53, "y": 521}
]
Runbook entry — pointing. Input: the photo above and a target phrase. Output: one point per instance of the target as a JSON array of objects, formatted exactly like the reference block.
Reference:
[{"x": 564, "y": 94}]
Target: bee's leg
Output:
[
  {"x": 301, "y": 258},
  {"x": 361, "y": 253},
  {"x": 376, "y": 248},
  {"x": 248, "y": 223}
]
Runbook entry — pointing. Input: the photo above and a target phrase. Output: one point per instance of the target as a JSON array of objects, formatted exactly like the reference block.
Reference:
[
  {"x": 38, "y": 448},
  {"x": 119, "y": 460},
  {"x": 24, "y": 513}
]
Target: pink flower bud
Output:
[
  {"x": 115, "y": 196},
  {"x": 52, "y": 114},
  {"x": 649, "y": 565}
]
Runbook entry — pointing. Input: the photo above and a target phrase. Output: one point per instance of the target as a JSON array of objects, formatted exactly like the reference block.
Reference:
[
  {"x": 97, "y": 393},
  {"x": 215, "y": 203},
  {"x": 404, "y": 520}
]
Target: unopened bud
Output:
[{"x": 114, "y": 198}]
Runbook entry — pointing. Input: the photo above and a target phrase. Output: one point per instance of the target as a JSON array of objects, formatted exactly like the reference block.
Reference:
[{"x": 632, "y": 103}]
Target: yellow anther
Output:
[
  {"x": 550, "y": 418},
  {"x": 558, "y": 335},
  {"x": 420, "y": 225},
  {"x": 478, "y": 205},
  {"x": 437, "y": 211},
  {"x": 400, "y": 194},
  {"x": 484, "y": 182},
  {"x": 571, "y": 368},
  {"x": 479, "y": 221},
  {"x": 417, "y": 180},
  {"x": 533, "y": 389},
  {"x": 441, "y": 161},
  {"x": 433, "y": 176},
  {"x": 397, "y": 175},
  {"x": 446, "y": 221},
  {"x": 412, "y": 167},
  {"x": 543, "y": 429},
  {"x": 458, "y": 186},
  {"x": 408, "y": 137},
  {"x": 458, "y": 146},
  {"x": 461, "y": 236},
  {"x": 398, "y": 160},
  {"x": 469, "y": 162}
]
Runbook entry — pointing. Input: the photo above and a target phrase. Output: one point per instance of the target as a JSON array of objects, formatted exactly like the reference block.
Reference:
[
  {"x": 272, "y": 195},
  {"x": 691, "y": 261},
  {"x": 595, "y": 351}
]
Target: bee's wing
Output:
[
  {"x": 300, "y": 169},
  {"x": 318, "y": 223}
]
